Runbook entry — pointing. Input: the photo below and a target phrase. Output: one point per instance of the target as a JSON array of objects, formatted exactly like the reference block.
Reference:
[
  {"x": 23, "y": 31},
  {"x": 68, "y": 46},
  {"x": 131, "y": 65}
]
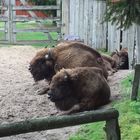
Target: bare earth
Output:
[{"x": 19, "y": 99}]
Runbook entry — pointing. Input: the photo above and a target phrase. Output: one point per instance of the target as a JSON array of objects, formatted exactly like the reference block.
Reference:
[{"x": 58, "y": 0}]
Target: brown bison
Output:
[
  {"x": 65, "y": 55},
  {"x": 79, "y": 89},
  {"x": 110, "y": 64},
  {"x": 121, "y": 58}
]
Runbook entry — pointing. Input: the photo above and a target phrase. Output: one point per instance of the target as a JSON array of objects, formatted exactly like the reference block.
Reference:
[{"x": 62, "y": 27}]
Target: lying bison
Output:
[
  {"x": 110, "y": 64},
  {"x": 79, "y": 89},
  {"x": 121, "y": 58},
  {"x": 65, "y": 55}
]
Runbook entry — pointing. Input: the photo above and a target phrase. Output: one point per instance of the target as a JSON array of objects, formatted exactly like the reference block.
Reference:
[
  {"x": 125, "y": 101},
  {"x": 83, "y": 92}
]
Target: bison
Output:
[
  {"x": 79, "y": 89},
  {"x": 65, "y": 55},
  {"x": 110, "y": 63},
  {"x": 121, "y": 58}
]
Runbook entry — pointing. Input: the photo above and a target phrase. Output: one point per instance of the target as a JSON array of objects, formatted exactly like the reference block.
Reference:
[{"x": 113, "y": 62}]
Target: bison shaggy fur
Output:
[
  {"x": 121, "y": 58},
  {"x": 65, "y": 55},
  {"x": 79, "y": 89}
]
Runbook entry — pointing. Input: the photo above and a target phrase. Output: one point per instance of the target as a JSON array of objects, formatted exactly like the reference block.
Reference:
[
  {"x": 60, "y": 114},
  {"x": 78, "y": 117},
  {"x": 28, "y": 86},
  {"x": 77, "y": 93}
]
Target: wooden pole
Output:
[
  {"x": 112, "y": 129},
  {"x": 53, "y": 122},
  {"x": 136, "y": 83}
]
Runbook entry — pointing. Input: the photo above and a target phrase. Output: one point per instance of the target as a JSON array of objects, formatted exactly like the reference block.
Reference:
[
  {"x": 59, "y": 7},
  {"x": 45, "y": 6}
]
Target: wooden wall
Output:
[{"x": 84, "y": 18}]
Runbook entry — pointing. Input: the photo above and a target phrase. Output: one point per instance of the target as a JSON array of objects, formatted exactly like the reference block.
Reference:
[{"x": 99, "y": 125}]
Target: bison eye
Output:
[{"x": 41, "y": 61}]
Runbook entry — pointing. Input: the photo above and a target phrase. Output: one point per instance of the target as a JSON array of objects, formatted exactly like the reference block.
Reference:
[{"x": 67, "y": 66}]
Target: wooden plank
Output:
[
  {"x": 13, "y": 15},
  {"x": 28, "y": 42},
  {"x": 3, "y": 19},
  {"x": 65, "y": 17},
  {"x": 94, "y": 24},
  {"x": 101, "y": 28},
  {"x": 26, "y": 19},
  {"x": 90, "y": 22},
  {"x": 138, "y": 42},
  {"x": 32, "y": 8},
  {"x": 135, "y": 86},
  {"x": 112, "y": 130},
  {"x": 81, "y": 18},
  {"x": 128, "y": 41},
  {"x": 53, "y": 122},
  {"x": 71, "y": 14},
  {"x": 56, "y": 29},
  {"x": 58, "y": 24},
  {"x": 3, "y": 30},
  {"x": 113, "y": 38},
  {"x": 24, "y": 42},
  {"x": 85, "y": 20},
  {"x": 76, "y": 18},
  {"x": 3, "y": 8}
]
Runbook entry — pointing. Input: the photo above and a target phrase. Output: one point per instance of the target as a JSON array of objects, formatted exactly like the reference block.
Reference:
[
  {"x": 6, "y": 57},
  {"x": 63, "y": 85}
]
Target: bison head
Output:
[
  {"x": 61, "y": 90},
  {"x": 121, "y": 59},
  {"x": 42, "y": 65}
]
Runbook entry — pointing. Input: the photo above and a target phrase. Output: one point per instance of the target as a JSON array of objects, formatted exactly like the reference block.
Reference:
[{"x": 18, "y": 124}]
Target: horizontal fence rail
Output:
[
  {"x": 39, "y": 124},
  {"x": 36, "y": 8}
]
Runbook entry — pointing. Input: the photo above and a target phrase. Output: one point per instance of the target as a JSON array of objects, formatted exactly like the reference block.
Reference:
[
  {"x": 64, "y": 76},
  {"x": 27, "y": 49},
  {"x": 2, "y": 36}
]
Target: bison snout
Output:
[
  {"x": 29, "y": 68},
  {"x": 50, "y": 95}
]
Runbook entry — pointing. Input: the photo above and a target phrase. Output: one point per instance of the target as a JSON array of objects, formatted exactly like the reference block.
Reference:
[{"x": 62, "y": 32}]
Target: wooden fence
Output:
[
  {"x": 84, "y": 19},
  {"x": 10, "y": 19},
  {"x": 109, "y": 115}
]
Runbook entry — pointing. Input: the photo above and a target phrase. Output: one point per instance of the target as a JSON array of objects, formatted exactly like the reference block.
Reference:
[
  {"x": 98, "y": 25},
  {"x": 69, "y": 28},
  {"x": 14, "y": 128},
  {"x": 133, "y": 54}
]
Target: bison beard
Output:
[
  {"x": 42, "y": 69},
  {"x": 79, "y": 89},
  {"x": 65, "y": 55}
]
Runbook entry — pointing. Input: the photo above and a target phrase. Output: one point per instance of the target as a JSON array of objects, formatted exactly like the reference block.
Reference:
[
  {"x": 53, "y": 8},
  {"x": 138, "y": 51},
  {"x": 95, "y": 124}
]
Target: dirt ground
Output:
[{"x": 19, "y": 99}]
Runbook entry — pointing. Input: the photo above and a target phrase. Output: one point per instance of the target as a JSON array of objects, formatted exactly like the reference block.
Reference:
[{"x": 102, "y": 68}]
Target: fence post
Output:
[
  {"x": 136, "y": 83},
  {"x": 112, "y": 130},
  {"x": 59, "y": 15},
  {"x": 138, "y": 42}
]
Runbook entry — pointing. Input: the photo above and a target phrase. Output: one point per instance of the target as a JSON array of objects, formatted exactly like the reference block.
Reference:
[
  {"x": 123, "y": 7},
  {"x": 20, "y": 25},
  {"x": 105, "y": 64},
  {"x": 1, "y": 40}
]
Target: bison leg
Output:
[
  {"x": 42, "y": 91},
  {"x": 85, "y": 104},
  {"x": 74, "y": 109}
]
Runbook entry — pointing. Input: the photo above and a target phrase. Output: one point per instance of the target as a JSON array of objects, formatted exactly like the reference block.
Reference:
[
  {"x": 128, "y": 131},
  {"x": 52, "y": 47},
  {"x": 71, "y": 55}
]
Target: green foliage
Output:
[
  {"x": 129, "y": 118},
  {"x": 123, "y": 13},
  {"x": 93, "y": 131},
  {"x": 43, "y": 2}
]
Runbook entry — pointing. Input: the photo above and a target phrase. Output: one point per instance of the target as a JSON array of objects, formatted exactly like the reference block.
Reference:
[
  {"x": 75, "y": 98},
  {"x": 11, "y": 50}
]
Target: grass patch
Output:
[
  {"x": 129, "y": 118},
  {"x": 90, "y": 132},
  {"x": 31, "y": 36},
  {"x": 23, "y": 36},
  {"x": 2, "y": 34},
  {"x": 103, "y": 51}
]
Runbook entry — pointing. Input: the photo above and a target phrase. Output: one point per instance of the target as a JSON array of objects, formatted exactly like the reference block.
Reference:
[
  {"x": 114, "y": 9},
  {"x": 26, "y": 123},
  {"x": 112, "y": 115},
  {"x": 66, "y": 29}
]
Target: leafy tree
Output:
[
  {"x": 43, "y": 2},
  {"x": 123, "y": 13}
]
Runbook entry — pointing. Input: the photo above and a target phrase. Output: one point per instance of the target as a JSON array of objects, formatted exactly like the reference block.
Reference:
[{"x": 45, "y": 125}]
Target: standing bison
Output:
[
  {"x": 65, "y": 55},
  {"x": 79, "y": 89}
]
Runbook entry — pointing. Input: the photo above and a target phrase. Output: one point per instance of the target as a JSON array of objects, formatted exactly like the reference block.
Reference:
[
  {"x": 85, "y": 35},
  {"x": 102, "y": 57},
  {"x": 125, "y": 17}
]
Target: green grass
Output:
[
  {"x": 129, "y": 118},
  {"x": 103, "y": 51},
  {"x": 22, "y": 36}
]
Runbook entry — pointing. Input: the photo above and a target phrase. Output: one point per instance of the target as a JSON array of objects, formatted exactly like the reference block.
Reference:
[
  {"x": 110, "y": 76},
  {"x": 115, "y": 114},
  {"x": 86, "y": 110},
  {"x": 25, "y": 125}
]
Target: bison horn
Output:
[
  {"x": 117, "y": 51},
  {"x": 49, "y": 55}
]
